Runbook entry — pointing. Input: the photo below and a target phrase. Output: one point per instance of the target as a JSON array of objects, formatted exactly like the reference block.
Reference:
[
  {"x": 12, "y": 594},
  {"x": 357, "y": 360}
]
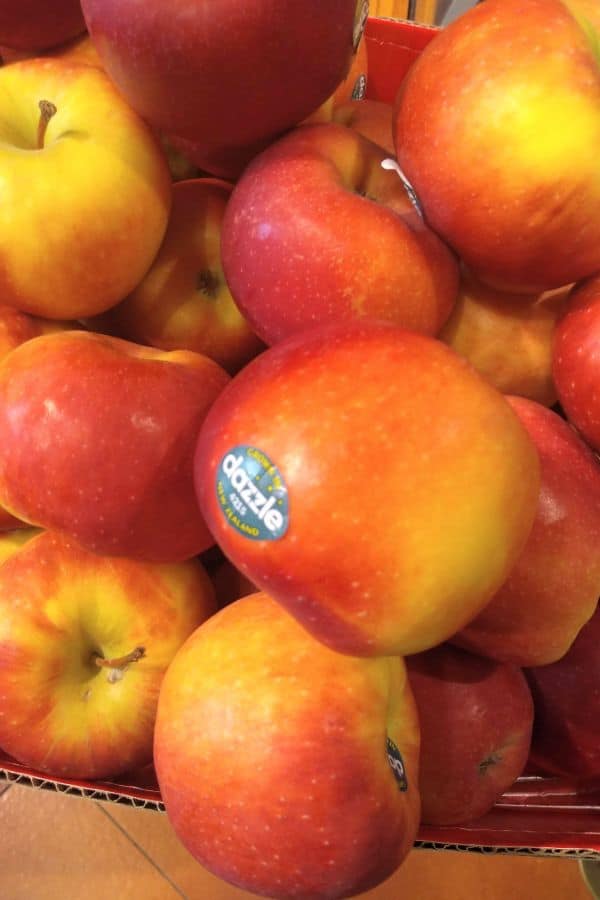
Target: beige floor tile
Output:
[
  {"x": 54, "y": 847},
  {"x": 425, "y": 875}
]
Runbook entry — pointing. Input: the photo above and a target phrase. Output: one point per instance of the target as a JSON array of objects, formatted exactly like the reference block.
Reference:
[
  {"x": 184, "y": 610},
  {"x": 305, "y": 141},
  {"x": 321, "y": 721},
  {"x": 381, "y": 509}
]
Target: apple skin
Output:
[
  {"x": 115, "y": 476},
  {"x": 317, "y": 232},
  {"x": 183, "y": 302},
  {"x": 410, "y": 485},
  {"x": 37, "y": 25},
  {"x": 476, "y": 717},
  {"x": 576, "y": 360},
  {"x": 241, "y": 73},
  {"x": 505, "y": 157},
  {"x": 60, "y": 607},
  {"x": 267, "y": 741},
  {"x": 78, "y": 248},
  {"x": 77, "y": 50},
  {"x": 371, "y": 118},
  {"x": 566, "y": 732},
  {"x": 553, "y": 588},
  {"x": 507, "y": 337}
]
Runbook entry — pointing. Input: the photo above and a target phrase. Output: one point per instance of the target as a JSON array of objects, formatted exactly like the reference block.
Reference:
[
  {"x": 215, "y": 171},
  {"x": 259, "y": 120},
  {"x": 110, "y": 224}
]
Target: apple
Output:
[
  {"x": 183, "y": 302},
  {"x": 317, "y": 232},
  {"x": 229, "y": 583},
  {"x": 84, "y": 643},
  {"x": 97, "y": 438},
  {"x": 352, "y": 87},
  {"x": 497, "y": 128},
  {"x": 228, "y": 75},
  {"x": 371, "y": 481},
  {"x": 566, "y": 732},
  {"x": 476, "y": 717},
  {"x": 371, "y": 118},
  {"x": 507, "y": 337},
  {"x": 576, "y": 360},
  {"x": 78, "y": 50},
  {"x": 553, "y": 588},
  {"x": 286, "y": 768},
  {"x": 37, "y": 24},
  {"x": 97, "y": 185}
]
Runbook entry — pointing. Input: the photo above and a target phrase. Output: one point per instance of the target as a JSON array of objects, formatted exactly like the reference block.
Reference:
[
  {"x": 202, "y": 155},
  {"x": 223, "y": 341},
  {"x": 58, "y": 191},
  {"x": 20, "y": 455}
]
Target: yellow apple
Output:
[
  {"x": 84, "y": 644},
  {"x": 86, "y": 190}
]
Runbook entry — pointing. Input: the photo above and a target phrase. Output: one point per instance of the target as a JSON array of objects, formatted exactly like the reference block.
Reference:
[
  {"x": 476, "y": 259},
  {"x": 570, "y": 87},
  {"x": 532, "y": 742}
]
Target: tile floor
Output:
[{"x": 56, "y": 847}]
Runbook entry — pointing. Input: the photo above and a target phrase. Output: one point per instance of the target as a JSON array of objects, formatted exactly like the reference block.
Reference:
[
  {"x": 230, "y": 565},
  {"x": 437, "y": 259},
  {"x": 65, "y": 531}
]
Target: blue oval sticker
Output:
[{"x": 252, "y": 494}]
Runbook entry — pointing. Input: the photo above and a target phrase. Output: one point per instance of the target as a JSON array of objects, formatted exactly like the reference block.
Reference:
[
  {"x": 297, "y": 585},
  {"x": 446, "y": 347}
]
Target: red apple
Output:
[
  {"x": 507, "y": 337},
  {"x": 576, "y": 360},
  {"x": 476, "y": 717},
  {"x": 498, "y": 129},
  {"x": 97, "y": 439},
  {"x": 225, "y": 75},
  {"x": 84, "y": 644},
  {"x": 38, "y": 24},
  {"x": 566, "y": 732},
  {"x": 317, "y": 232},
  {"x": 552, "y": 590},
  {"x": 183, "y": 302},
  {"x": 371, "y": 481},
  {"x": 286, "y": 768}
]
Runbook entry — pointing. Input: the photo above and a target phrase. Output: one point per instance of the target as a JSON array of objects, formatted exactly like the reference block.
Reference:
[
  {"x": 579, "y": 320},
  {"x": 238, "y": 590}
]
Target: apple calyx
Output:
[
  {"x": 491, "y": 760},
  {"x": 208, "y": 283},
  {"x": 47, "y": 110},
  {"x": 117, "y": 666}
]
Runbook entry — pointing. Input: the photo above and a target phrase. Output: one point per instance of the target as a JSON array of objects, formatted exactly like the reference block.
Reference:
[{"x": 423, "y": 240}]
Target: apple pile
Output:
[{"x": 300, "y": 419}]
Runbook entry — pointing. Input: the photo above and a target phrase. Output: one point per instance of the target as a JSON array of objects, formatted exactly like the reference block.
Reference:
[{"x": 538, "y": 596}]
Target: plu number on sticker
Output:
[{"x": 252, "y": 495}]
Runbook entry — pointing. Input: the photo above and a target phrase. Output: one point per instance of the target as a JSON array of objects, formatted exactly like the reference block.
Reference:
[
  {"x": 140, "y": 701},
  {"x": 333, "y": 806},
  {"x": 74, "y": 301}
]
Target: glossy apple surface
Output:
[
  {"x": 476, "y": 717},
  {"x": 286, "y": 768},
  {"x": 84, "y": 644},
  {"x": 98, "y": 437},
  {"x": 224, "y": 75},
  {"x": 183, "y": 302},
  {"x": 371, "y": 481},
  {"x": 317, "y": 232},
  {"x": 507, "y": 337},
  {"x": 554, "y": 586},
  {"x": 576, "y": 360},
  {"x": 497, "y": 127},
  {"x": 36, "y": 24},
  {"x": 566, "y": 734},
  {"x": 97, "y": 187}
]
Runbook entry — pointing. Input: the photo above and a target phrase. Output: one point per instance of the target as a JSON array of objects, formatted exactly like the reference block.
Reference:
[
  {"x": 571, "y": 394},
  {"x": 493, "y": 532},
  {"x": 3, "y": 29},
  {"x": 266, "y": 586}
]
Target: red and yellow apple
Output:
[
  {"x": 38, "y": 24},
  {"x": 476, "y": 717},
  {"x": 183, "y": 302},
  {"x": 84, "y": 644},
  {"x": 229, "y": 75},
  {"x": 371, "y": 118},
  {"x": 576, "y": 360},
  {"x": 97, "y": 189},
  {"x": 371, "y": 481},
  {"x": 352, "y": 87},
  {"x": 286, "y": 768},
  {"x": 507, "y": 337},
  {"x": 77, "y": 50},
  {"x": 554, "y": 586},
  {"x": 317, "y": 232},
  {"x": 497, "y": 127},
  {"x": 97, "y": 438}
]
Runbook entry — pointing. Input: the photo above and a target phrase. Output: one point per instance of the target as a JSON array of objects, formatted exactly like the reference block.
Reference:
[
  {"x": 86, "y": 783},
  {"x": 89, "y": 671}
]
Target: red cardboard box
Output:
[{"x": 538, "y": 815}]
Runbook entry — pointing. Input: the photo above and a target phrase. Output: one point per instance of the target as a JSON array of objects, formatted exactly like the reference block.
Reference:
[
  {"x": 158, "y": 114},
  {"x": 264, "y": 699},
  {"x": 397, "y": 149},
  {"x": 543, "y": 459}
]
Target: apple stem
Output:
[
  {"x": 47, "y": 110},
  {"x": 121, "y": 661}
]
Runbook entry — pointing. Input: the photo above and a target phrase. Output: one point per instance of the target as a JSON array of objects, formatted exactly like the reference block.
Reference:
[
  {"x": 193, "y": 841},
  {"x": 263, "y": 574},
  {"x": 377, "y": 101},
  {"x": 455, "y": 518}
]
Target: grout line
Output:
[{"x": 141, "y": 850}]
